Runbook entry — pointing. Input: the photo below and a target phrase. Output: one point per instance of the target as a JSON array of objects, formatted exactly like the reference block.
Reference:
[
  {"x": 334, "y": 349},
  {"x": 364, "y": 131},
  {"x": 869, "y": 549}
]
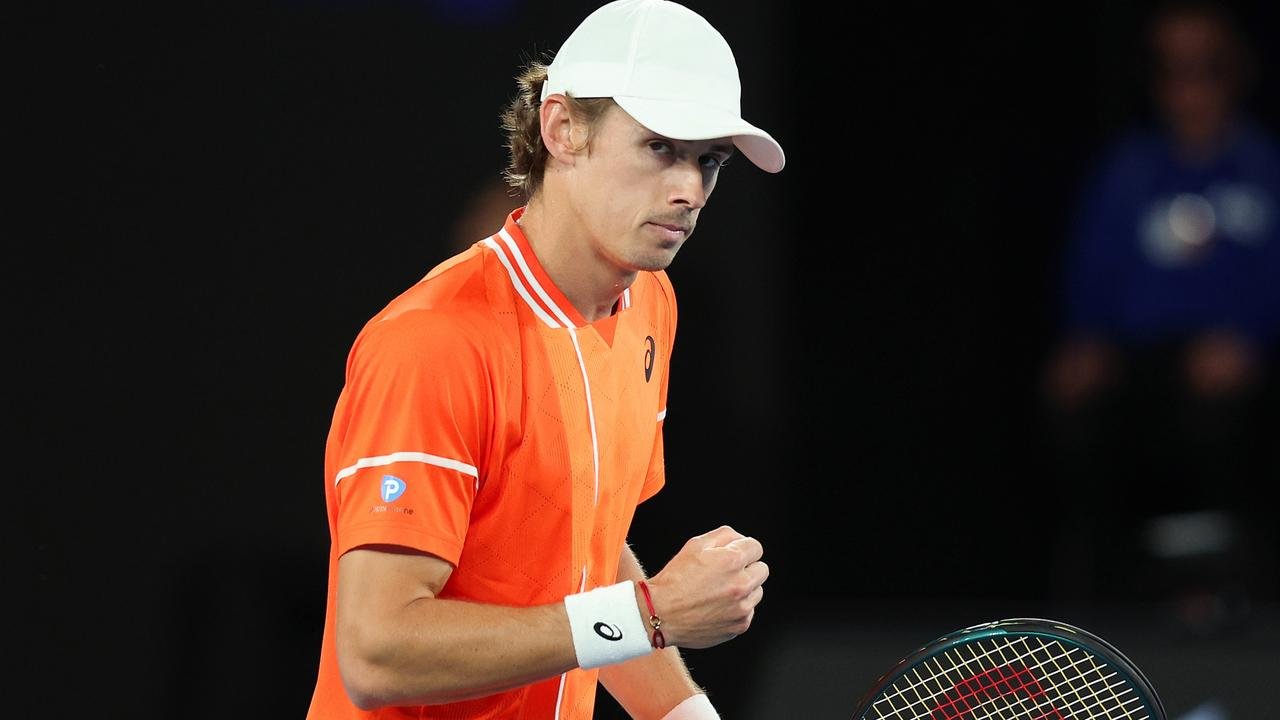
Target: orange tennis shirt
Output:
[{"x": 485, "y": 421}]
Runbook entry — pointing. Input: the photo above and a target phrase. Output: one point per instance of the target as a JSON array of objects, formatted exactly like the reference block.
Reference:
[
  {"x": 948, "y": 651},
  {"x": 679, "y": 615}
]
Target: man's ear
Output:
[{"x": 562, "y": 135}]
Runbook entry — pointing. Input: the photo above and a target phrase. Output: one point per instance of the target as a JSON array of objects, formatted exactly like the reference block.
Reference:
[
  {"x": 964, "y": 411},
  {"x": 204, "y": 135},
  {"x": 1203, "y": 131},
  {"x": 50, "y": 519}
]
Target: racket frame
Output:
[{"x": 1040, "y": 627}]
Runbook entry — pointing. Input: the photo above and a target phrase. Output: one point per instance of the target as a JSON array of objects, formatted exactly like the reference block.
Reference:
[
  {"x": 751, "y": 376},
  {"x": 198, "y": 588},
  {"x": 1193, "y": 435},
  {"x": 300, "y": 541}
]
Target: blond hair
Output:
[{"x": 527, "y": 155}]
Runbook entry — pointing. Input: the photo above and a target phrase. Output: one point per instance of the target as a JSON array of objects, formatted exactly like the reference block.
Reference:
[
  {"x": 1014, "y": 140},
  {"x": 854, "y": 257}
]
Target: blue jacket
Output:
[{"x": 1162, "y": 249}]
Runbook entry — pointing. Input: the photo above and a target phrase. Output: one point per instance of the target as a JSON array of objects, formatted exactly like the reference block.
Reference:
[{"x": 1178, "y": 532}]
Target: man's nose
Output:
[{"x": 687, "y": 186}]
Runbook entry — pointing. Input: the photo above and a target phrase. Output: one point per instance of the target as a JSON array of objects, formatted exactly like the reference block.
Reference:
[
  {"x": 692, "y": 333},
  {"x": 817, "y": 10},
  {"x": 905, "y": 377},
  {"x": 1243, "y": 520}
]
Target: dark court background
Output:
[{"x": 222, "y": 194}]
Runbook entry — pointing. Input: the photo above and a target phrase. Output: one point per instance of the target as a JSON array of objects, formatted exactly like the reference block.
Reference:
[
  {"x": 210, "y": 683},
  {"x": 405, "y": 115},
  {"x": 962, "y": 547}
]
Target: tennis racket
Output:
[{"x": 1014, "y": 669}]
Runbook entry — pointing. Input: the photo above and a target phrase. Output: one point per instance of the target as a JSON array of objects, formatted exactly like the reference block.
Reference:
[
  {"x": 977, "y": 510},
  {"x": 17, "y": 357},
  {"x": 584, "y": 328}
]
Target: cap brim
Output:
[{"x": 690, "y": 121}]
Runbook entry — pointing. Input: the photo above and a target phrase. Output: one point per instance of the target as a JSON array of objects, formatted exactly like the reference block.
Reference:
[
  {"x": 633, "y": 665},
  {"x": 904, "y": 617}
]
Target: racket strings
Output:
[
  {"x": 1110, "y": 700},
  {"x": 941, "y": 679},
  {"x": 1044, "y": 706},
  {"x": 1008, "y": 679},
  {"x": 1099, "y": 699}
]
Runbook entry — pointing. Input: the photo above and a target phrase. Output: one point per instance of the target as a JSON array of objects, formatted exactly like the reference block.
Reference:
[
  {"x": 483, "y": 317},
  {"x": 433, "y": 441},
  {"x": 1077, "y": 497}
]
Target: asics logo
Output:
[
  {"x": 650, "y": 352},
  {"x": 608, "y": 632}
]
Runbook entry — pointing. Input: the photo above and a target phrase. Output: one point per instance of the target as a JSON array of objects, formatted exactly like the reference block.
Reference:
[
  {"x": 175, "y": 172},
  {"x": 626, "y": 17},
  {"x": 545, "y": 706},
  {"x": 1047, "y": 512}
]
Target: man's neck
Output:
[{"x": 565, "y": 251}]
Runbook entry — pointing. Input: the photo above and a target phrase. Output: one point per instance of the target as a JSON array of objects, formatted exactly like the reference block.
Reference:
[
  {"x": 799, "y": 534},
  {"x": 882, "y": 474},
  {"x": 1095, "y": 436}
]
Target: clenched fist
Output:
[{"x": 709, "y": 591}]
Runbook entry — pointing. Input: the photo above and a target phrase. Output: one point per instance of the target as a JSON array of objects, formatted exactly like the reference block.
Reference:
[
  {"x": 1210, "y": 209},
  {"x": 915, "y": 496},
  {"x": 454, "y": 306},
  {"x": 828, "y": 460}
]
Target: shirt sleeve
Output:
[{"x": 411, "y": 436}]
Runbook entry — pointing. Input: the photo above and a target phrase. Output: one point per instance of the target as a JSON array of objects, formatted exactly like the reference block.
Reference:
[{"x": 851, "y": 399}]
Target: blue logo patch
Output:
[{"x": 392, "y": 488}]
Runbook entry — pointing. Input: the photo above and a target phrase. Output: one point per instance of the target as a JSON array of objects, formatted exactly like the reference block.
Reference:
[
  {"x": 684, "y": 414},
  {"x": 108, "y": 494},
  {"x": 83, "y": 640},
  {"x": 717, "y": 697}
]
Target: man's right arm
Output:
[{"x": 398, "y": 644}]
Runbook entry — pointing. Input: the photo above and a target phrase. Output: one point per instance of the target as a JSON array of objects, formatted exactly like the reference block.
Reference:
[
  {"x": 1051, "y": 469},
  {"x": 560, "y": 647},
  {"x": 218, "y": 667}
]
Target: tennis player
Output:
[{"x": 502, "y": 418}]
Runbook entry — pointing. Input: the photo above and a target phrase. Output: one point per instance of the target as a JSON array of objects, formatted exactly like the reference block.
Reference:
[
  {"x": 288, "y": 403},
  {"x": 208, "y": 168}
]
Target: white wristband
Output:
[
  {"x": 697, "y": 707},
  {"x": 607, "y": 626}
]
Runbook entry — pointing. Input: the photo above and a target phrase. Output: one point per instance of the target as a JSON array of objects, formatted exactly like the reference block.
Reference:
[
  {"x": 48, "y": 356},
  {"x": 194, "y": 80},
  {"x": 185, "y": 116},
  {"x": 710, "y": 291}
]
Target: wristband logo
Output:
[
  {"x": 609, "y": 632},
  {"x": 392, "y": 488}
]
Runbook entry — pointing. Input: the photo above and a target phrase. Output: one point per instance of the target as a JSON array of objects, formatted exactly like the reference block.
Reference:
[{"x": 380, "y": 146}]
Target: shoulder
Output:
[
  {"x": 1132, "y": 149},
  {"x": 656, "y": 287},
  {"x": 1254, "y": 134},
  {"x": 1256, "y": 142},
  {"x": 446, "y": 319},
  {"x": 1122, "y": 165},
  {"x": 655, "y": 291}
]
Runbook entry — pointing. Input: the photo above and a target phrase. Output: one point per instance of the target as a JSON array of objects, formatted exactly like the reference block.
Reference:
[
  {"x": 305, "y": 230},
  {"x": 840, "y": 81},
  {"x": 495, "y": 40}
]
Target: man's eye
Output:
[
  {"x": 711, "y": 162},
  {"x": 657, "y": 146}
]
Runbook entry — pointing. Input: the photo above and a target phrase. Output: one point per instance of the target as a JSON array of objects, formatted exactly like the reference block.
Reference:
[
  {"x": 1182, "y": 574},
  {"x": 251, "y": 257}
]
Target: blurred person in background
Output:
[
  {"x": 1170, "y": 311},
  {"x": 485, "y": 207}
]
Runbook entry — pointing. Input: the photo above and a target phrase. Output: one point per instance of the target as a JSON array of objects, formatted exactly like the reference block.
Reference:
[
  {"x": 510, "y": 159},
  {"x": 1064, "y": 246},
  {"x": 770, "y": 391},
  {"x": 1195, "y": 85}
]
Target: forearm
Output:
[
  {"x": 648, "y": 686},
  {"x": 435, "y": 651}
]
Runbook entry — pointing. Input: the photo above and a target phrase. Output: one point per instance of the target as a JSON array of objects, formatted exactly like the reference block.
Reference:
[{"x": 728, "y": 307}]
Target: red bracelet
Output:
[{"x": 658, "y": 641}]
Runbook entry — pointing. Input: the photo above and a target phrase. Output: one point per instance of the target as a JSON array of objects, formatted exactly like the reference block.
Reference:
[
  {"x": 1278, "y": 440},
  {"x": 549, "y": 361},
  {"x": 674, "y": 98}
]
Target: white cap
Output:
[{"x": 668, "y": 68}]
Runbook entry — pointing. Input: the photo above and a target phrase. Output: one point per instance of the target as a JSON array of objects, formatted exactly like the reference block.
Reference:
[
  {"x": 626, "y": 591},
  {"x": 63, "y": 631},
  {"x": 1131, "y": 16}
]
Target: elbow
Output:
[
  {"x": 361, "y": 680},
  {"x": 370, "y": 688},
  {"x": 366, "y": 703},
  {"x": 372, "y": 681}
]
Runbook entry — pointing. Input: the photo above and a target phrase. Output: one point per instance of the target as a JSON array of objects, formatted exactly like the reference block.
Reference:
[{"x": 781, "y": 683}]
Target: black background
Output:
[{"x": 220, "y": 196}]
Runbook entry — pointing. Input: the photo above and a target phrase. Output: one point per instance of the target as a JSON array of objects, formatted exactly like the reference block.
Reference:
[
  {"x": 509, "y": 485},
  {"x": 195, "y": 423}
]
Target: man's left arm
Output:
[{"x": 647, "y": 687}]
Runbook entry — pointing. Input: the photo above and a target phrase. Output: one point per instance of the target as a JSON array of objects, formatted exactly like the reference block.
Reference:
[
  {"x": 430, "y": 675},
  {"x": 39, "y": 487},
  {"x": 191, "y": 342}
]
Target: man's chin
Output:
[{"x": 656, "y": 262}]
